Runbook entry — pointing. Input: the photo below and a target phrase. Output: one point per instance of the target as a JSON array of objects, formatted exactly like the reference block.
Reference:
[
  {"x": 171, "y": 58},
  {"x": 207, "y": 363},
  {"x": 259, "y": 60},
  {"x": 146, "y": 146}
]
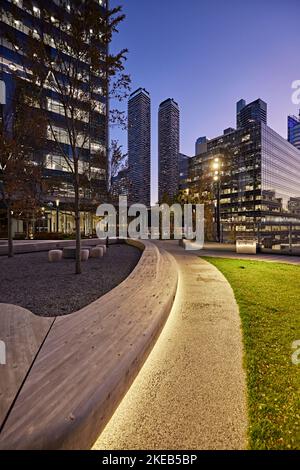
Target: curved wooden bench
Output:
[
  {"x": 32, "y": 246},
  {"x": 89, "y": 359},
  {"x": 23, "y": 334}
]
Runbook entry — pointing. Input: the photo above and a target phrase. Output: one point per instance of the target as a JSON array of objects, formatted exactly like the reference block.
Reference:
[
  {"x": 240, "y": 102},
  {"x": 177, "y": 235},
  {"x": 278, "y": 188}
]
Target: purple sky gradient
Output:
[{"x": 207, "y": 54}]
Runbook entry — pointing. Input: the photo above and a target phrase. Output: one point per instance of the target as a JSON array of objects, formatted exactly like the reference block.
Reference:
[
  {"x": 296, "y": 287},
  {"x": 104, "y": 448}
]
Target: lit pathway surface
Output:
[{"x": 191, "y": 392}]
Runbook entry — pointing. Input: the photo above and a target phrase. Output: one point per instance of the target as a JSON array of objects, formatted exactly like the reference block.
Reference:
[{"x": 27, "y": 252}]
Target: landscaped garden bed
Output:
[{"x": 52, "y": 289}]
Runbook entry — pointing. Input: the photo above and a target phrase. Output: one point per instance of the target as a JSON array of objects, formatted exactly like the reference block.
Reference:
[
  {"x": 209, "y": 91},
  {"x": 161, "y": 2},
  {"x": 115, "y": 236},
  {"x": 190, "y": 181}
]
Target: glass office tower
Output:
[
  {"x": 294, "y": 130},
  {"x": 183, "y": 169},
  {"x": 200, "y": 145},
  {"x": 20, "y": 18},
  {"x": 259, "y": 186},
  {"x": 256, "y": 111}
]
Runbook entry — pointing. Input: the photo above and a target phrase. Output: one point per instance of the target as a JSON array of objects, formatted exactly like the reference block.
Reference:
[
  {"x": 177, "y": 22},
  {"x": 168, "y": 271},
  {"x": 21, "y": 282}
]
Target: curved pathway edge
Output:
[{"x": 191, "y": 392}]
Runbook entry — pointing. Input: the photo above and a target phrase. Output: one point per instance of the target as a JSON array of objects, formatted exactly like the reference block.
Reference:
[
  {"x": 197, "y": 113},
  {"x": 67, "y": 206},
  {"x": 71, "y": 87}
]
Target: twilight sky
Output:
[{"x": 207, "y": 54}]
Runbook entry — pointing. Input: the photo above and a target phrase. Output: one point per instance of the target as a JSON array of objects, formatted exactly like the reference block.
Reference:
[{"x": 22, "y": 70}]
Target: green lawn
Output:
[{"x": 268, "y": 295}]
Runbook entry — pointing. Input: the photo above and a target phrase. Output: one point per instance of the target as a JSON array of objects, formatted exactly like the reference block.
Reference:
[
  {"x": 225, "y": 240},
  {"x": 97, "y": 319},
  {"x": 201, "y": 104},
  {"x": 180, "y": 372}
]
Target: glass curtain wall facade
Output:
[
  {"x": 56, "y": 168},
  {"x": 280, "y": 161},
  {"x": 183, "y": 168},
  {"x": 258, "y": 188},
  {"x": 294, "y": 130},
  {"x": 256, "y": 111}
]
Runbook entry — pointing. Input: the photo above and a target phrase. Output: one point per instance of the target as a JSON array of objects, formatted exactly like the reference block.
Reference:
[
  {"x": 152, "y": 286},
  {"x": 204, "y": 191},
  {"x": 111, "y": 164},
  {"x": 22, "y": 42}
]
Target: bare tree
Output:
[{"x": 66, "y": 57}]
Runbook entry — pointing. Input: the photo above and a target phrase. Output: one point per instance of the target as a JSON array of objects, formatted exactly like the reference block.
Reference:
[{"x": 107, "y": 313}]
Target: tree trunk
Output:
[
  {"x": 77, "y": 226},
  {"x": 9, "y": 232},
  {"x": 27, "y": 230},
  {"x": 33, "y": 225}
]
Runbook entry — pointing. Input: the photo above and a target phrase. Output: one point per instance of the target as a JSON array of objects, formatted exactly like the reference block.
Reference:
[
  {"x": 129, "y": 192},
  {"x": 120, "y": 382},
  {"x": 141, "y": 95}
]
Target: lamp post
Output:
[
  {"x": 217, "y": 176},
  {"x": 43, "y": 219},
  {"x": 57, "y": 214}
]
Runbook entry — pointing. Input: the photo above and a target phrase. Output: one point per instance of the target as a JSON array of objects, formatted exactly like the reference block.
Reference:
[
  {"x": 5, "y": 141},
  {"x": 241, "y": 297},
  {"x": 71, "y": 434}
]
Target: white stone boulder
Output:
[
  {"x": 85, "y": 255},
  {"x": 97, "y": 252},
  {"x": 55, "y": 256}
]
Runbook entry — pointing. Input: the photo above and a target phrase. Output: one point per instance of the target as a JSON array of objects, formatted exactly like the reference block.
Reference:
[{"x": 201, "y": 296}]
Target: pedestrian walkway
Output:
[{"x": 191, "y": 392}]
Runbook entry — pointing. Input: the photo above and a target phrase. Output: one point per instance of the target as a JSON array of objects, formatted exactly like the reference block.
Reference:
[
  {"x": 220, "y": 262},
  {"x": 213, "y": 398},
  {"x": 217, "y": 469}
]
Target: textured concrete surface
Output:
[{"x": 191, "y": 392}]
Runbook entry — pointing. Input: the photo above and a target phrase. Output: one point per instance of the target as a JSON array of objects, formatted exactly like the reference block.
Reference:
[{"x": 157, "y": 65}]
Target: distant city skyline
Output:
[{"x": 182, "y": 56}]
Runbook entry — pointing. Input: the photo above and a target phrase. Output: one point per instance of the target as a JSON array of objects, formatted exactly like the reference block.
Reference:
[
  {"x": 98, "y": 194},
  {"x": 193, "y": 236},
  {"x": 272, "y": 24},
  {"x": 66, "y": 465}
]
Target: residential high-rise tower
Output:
[
  {"x": 168, "y": 149},
  {"x": 139, "y": 147}
]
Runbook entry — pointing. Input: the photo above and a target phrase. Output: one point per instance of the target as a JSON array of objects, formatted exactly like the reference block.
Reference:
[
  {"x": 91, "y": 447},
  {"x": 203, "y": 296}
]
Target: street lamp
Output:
[
  {"x": 57, "y": 214},
  {"x": 216, "y": 167},
  {"x": 42, "y": 219}
]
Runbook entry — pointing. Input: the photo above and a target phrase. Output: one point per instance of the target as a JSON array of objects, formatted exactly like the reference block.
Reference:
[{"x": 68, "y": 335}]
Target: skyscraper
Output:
[
  {"x": 252, "y": 112},
  {"x": 254, "y": 173},
  {"x": 139, "y": 146},
  {"x": 239, "y": 106},
  {"x": 25, "y": 19},
  {"x": 201, "y": 145},
  {"x": 183, "y": 170},
  {"x": 294, "y": 130},
  {"x": 168, "y": 149}
]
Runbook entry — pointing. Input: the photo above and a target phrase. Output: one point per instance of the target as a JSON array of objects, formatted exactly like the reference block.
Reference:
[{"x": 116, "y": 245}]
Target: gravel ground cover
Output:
[{"x": 52, "y": 289}]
